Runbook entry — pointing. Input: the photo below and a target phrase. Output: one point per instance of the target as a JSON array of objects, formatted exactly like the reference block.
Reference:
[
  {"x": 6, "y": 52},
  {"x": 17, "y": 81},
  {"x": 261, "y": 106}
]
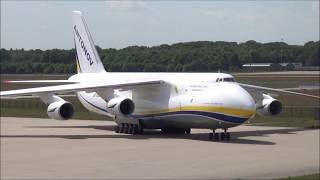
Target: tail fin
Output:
[{"x": 88, "y": 60}]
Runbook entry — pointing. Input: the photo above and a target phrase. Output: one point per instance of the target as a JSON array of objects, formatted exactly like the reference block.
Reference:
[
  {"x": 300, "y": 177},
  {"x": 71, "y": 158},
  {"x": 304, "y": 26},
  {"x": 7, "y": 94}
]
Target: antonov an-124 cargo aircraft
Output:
[{"x": 167, "y": 101}]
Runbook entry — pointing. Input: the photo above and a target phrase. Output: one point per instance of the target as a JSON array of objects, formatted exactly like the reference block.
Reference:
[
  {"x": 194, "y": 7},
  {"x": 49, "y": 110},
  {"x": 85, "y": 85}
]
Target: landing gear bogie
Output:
[
  {"x": 176, "y": 130},
  {"x": 211, "y": 136},
  {"x": 117, "y": 129},
  {"x": 228, "y": 136},
  {"x": 216, "y": 136},
  {"x": 127, "y": 128},
  {"x": 223, "y": 136}
]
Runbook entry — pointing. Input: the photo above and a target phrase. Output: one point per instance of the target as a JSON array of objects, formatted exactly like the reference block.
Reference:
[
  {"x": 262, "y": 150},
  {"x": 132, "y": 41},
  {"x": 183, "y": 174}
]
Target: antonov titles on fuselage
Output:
[{"x": 166, "y": 101}]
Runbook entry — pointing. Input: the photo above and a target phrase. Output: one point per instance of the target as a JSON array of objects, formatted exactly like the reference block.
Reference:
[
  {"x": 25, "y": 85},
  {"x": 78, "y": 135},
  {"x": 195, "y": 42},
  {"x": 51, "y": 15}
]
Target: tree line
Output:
[{"x": 201, "y": 56}]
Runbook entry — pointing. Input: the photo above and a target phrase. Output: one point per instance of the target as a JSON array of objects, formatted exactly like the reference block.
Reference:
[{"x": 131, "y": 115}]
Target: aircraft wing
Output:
[
  {"x": 272, "y": 90},
  {"x": 42, "y": 82},
  {"x": 33, "y": 97},
  {"x": 302, "y": 88},
  {"x": 90, "y": 87}
]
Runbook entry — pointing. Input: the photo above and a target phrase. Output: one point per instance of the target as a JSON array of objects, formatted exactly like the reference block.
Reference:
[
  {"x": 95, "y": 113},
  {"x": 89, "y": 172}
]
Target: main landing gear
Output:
[
  {"x": 176, "y": 130},
  {"x": 223, "y": 136},
  {"x": 127, "y": 128}
]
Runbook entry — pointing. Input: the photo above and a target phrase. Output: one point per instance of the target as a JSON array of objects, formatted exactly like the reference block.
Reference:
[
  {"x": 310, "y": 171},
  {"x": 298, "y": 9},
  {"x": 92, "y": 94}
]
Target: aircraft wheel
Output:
[
  {"x": 210, "y": 136},
  {"x": 126, "y": 128},
  {"x": 135, "y": 129},
  {"x": 117, "y": 129},
  {"x": 121, "y": 127},
  {"x": 132, "y": 129},
  {"x": 216, "y": 136},
  {"x": 222, "y": 136},
  {"x": 129, "y": 128},
  {"x": 228, "y": 136},
  {"x": 188, "y": 131},
  {"x": 164, "y": 130},
  {"x": 140, "y": 130}
]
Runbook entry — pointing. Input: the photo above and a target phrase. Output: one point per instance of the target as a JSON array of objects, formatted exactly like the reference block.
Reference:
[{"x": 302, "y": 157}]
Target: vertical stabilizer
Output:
[{"x": 88, "y": 60}]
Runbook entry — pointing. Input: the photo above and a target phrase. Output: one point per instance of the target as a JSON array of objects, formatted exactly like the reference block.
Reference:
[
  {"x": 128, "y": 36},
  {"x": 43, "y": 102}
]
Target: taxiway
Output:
[{"x": 45, "y": 149}]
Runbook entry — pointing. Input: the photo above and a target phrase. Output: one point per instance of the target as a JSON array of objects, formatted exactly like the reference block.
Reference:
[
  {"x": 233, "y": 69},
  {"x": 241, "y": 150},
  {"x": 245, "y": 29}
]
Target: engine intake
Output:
[
  {"x": 121, "y": 106},
  {"x": 60, "y": 110},
  {"x": 275, "y": 107},
  {"x": 270, "y": 106}
]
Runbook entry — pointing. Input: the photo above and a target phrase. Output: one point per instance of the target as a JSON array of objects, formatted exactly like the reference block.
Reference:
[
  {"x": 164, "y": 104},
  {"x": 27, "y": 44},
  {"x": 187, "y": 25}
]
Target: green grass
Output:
[{"x": 305, "y": 177}]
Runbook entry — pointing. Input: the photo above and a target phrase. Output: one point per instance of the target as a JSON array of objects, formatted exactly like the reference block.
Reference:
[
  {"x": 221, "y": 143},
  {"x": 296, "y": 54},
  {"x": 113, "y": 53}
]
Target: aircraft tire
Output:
[
  {"x": 140, "y": 130},
  {"x": 131, "y": 129},
  {"x": 188, "y": 131},
  {"x": 164, "y": 130},
  {"x": 126, "y": 128},
  {"x": 222, "y": 136},
  {"x": 210, "y": 136},
  {"x": 116, "y": 129},
  {"x": 135, "y": 129},
  {"x": 216, "y": 136},
  {"x": 121, "y": 127},
  {"x": 228, "y": 136}
]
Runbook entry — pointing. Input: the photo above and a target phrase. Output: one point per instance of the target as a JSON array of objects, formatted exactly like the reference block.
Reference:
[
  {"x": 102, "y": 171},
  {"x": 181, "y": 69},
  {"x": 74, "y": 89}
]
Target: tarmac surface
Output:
[{"x": 84, "y": 149}]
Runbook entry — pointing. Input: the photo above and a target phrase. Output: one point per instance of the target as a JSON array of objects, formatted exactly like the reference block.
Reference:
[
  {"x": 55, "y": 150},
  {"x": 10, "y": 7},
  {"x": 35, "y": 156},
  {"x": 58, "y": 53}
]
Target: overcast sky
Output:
[{"x": 47, "y": 24}]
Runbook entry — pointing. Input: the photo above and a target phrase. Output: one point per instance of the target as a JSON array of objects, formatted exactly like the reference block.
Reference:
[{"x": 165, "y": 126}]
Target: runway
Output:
[{"x": 45, "y": 149}]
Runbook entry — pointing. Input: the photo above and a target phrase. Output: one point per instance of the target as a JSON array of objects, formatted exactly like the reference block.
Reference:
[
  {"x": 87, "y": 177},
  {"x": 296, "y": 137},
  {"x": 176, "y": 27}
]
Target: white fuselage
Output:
[{"x": 187, "y": 100}]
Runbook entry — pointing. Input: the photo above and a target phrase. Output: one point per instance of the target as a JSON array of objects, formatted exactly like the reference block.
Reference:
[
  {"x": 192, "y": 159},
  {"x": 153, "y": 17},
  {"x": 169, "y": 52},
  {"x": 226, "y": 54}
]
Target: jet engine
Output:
[
  {"x": 121, "y": 106},
  {"x": 60, "y": 110},
  {"x": 270, "y": 106}
]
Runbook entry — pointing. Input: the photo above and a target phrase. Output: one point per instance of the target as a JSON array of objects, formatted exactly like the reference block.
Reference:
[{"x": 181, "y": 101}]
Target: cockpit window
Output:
[
  {"x": 228, "y": 80},
  {"x": 225, "y": 80}
]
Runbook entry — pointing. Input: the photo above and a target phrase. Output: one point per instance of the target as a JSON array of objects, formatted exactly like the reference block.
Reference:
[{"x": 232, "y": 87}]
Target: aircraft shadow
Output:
[{"x": 240, "y": 137}]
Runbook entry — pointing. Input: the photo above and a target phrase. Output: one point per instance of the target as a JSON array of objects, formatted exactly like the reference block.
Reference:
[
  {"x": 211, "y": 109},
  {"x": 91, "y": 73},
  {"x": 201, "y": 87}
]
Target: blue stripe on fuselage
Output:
[{"x": 221, "y": 117}]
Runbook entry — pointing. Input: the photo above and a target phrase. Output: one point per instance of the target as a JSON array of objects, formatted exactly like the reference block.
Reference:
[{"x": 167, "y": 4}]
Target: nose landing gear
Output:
[{"x": 219, "y": 136}]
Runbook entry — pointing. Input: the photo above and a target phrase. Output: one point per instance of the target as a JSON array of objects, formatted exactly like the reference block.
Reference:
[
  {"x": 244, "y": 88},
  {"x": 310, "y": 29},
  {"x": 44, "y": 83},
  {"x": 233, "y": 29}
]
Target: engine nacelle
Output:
[
  {"x": 60, "y": 110},
  {"x": 270, "y": 106},
  {"x": 121, "y": 106}
]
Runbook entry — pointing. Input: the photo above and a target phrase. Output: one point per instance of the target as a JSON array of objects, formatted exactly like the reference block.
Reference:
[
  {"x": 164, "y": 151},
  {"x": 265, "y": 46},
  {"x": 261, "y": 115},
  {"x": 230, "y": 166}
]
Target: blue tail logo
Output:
[{"x": 83, "y": 47}]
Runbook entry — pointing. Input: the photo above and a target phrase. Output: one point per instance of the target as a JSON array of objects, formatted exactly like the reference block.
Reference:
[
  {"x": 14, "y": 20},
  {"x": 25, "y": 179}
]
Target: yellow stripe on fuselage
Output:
[
  {"x": 214, "y": 109},
  {"x": 78, "y": 67}
]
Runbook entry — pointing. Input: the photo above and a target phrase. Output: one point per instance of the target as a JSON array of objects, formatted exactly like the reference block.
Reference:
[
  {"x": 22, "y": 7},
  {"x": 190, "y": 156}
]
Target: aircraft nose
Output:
[{"x": 237, "y": 97}]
